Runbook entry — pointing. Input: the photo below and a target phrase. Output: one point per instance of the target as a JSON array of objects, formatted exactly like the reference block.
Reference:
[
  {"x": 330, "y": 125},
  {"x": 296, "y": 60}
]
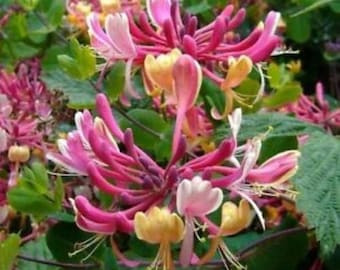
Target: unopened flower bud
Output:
[{"x": 18, "y": 153}]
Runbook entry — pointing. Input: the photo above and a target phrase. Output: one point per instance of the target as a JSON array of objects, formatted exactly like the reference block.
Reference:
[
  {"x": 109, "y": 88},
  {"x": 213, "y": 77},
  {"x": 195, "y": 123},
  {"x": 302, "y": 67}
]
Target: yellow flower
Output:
[
  {"x": 294, "y": 66},
  {"x": 159, "y": 226},
  {"x": 110, "y": 6},
  {"x": 235, "y": 219},
  {"x": 159, "y": 71},
  {"x": 238, "y": 71}
]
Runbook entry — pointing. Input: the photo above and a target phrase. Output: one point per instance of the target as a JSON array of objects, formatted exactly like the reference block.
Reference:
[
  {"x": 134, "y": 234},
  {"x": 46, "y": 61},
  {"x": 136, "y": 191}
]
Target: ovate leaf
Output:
[
  {"x": 80, "y": 94},
  {"x": 34, "y": 194},
  {"x": 299, "y": 28},
  {"x": 149, "y": 119},
  {"x": 279, "y": 125},
  {"x": 81, "y": 63},
  {"x": 288, "y": 93},
  {"x": 9, "y": 250},
  {"x": 36, "y": 249},
  {"x": 115, "y": 81},
  {"x": 318, "y": 184}
]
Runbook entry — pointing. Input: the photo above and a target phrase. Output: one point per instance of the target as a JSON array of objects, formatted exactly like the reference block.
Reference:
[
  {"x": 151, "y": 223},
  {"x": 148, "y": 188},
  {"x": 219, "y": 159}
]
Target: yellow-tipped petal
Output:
[
  {"x": 235, "y": 219},
  {"x": 159, "y": 226},
  {"x": 238, "y": 72},
  {"x": 110, "y": 6},
  {"x": 159, "y": 70},
  {"x": 176, "y": 229}
]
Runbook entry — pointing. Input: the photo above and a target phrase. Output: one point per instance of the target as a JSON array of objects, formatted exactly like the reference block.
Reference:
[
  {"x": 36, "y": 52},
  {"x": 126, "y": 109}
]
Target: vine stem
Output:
[
  {"x": 243, "y": 254},
  {"x": 247, "y": 251},
  {"x": 134, "y": 121},
  {"x": 59, "y": 264}
]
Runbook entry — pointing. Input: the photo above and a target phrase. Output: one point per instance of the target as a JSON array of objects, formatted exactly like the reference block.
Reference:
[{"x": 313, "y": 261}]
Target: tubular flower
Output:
[
  {"x": 190, "y": 205},
  {"x": 109, "y": 158},
  {"x": 238, "y": 71},
  {"x": 24, "y": 109},
  {"x": 234, "y": 219},
  {"x": 205, "y": 44},
  {"x": 78, "y": 10},
  {"x": 316, "y": 110},
  {"x": 159, "y": 226},
  {"x": 159, "y": 71},
  {"x": 168, "y": 31}
]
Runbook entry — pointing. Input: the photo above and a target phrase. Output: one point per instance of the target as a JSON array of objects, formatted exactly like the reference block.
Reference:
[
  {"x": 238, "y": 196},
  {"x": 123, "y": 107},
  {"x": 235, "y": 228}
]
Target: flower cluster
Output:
[
  {"x": 316, "y": 110},
  {"x": 147, "y": 194},
  {"x": 158, "y": 36},
  {"x": 25, "y": 106},
  {"x": 78, "y": 9}
]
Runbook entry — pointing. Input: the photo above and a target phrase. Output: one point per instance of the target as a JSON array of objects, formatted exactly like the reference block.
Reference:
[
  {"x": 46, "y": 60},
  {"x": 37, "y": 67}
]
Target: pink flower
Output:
[
  {"x": 108, "y": 156},
  {"x": 316, "y": 110},
  {"x": 190, "y": 204}
]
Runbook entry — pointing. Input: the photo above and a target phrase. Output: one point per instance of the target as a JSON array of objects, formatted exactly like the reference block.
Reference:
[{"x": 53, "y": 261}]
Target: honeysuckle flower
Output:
[
  {"x": 92, "y": 219},
  {"x": 316, "y": 110},
  {"x": 234, "y": 219},
  {"x": 238, "y": 71},
  {"x": 159, "y": 70},
  {"x": 114, "y": 44},
  {"x": 186, "y": 91},
  {"x": 109, "y": 158},
  {"x": 190, "y": 205},
  {"x": 24, "y": 112},
  {"x": 78, "y": 10},
  {"x": 207, "y": 45},
  {"x": 160, "y": 226}
]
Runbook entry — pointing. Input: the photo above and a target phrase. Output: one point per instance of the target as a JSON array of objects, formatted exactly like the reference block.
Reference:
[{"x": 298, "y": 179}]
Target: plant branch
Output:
[
  {"x": 134, "y": 121},
  {"x": 248, "y": 251}
]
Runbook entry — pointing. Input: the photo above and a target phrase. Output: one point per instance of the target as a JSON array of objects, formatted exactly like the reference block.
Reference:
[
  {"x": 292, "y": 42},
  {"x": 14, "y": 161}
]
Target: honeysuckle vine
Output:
[{"x": 155, "y": 137}]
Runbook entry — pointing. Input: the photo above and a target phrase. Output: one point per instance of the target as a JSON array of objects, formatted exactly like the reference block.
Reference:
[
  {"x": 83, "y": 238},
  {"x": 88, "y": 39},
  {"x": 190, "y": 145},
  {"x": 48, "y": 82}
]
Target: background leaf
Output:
[
  {"x": 318, "y": 184},
  {"x": 9, "y": 249},
  {"x": 280, "y": 125},
  {"x": 80, "y": 94}
]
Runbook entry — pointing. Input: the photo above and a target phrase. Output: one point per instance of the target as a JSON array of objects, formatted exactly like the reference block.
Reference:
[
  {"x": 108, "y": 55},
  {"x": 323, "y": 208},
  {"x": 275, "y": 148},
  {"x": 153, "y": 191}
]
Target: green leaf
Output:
[
  {"x": 315, "y": 5},
  {"x": 248, "y": 89},
  {"x": 36, "y": 249},
  {"x": 299, "y": 28},
  {"x": 259, "y": 123},
  {"x": 9, "y": 250},
  {"x": 22, "y": 50},
  {"x": 318, "y": 184},
  {"x": 33, "y": 195},
  {"x": 279, "y": 253},
  {"x": 149, "y": 119},
  {"x": 28, "y": 4},
  {"x": 82, "y": 62},
  {"x": 61, "y": 240},
  {"x": 80, "y": 94},
  {"x": 288, "y": 93},
  {"x": 16, "y": 27},
  {"x": 197, "y": 7},
  {"x": 115, "y": 81},
  {"x": 212, "y": 96},
  {"x": 275, "y": 145},
  {"x": 50, "y": 58},
  {"x": 335, "y": 6}
]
